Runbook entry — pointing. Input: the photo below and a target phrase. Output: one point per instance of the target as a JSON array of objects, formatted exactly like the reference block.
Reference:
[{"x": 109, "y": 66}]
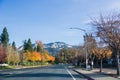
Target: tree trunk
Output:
[
  {"x": 92, "y": 65},
  {"x": 118, "y": 64},
  {"x": 101, "y": 65}
]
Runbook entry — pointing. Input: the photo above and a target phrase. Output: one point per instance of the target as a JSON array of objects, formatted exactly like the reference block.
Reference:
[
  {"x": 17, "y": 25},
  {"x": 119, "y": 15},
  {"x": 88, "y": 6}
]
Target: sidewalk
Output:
[{"x": 94, "y": 75}]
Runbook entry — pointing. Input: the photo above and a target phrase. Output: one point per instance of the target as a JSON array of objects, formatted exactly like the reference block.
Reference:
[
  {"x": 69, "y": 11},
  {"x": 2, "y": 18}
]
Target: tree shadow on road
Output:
[{"x": 50, "y": 75}]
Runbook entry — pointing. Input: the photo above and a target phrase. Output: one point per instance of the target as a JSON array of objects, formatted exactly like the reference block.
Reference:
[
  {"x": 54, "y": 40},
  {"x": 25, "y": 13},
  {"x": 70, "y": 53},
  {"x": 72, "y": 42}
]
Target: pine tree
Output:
[
  {"x": 39, "y": 49},
  {"x": 35, "y": 48},
  {"x": 4, "y": 38},
  {"x": 25, "y": 46},
  {"x": 14, "y": 45},
  {"x": 29, "y": 45}
]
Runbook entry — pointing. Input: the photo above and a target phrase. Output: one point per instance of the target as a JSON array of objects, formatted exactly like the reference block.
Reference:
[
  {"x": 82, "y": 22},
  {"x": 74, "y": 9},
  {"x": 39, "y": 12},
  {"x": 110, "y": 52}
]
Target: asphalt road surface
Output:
[{"x": 56, "y": 72}]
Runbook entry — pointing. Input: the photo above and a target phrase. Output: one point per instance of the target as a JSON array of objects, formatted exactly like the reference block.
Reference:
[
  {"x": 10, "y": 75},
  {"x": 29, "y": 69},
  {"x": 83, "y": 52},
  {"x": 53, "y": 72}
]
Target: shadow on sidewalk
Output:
[
  {"x": 89, "y": 78},
  {"x": 108, "y": 74},
  {"x": 95, "y": 74}
]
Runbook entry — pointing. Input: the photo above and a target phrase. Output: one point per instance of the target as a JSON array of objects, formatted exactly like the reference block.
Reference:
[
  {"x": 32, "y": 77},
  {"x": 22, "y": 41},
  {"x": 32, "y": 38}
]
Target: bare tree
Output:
[
  {"x": 108, "y": 29},
  {"x": 90, "y": 43}
]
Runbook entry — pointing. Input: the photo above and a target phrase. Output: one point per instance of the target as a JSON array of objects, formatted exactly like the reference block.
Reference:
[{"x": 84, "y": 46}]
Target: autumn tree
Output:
[
  {"x": 72, "y": 55},
  {"x": 26, "y": 57},
  {"x": 32, "y": 57},
  {"x": 12, "y": 56},
  {"x": 37, "y": 56},
  {"x": 102, "y": 53},
  {"x": 2, "y": 54},
  {"x": 51, "y": 58},
  {"x": 81, "y": 55},
  {"x": 45, "y": 56},
  {"x": 108, "y": 29},
  {"x": 67, "y": 55},
  {"x": 4, "y": 38}
]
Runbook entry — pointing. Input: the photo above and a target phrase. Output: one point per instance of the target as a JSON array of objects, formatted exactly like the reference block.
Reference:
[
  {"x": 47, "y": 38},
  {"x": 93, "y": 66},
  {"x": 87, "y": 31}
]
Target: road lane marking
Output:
[
  {"x": 70, "y": 74},
  {"x": 109, "y": 72}
]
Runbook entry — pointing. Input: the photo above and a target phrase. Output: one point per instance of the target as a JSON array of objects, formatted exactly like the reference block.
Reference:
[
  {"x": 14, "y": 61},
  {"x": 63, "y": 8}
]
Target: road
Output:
[{"x": 56, "y": 72}]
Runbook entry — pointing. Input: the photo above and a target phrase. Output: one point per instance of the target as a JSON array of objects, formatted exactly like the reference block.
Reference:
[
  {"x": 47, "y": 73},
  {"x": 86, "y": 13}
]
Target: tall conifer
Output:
[{"x": 4, "y": 38}]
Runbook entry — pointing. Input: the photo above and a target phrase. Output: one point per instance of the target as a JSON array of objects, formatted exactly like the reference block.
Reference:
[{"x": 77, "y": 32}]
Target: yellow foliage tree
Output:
[
  {"x": 102, "y": 53},
  {"x": 36, "y": 56},
  {"x": 52, "y": 58},
  {"x": 32, "y": 56},
  {"x": 12, "y": 56},
  {"x": 46, "y": 56}
]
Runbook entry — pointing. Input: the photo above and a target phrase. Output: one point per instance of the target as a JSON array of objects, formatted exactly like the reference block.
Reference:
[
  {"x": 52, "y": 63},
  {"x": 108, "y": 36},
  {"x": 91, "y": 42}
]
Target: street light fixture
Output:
[
  {"x": 78, "y": 29},
  {"x": 86, "y": 60}
]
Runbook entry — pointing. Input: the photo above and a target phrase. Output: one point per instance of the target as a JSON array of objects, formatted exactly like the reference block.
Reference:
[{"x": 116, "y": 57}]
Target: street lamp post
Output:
[{"x": 86, "y": 60}]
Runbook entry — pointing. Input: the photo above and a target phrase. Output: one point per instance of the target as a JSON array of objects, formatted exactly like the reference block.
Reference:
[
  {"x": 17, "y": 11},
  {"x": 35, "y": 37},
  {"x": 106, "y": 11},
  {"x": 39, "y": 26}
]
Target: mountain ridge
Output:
[{"x": 53, "y": 47}]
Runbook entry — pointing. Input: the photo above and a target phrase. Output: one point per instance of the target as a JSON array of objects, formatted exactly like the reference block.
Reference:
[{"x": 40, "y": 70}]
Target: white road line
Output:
[
  {"x": 108, "y": 72},
  {"x": 70, "y": 73}
]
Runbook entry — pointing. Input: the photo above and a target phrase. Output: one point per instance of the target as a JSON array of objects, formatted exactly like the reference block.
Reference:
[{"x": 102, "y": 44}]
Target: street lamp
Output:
[
  {"x": 79, "y": 29},
  {"x": 86, "y": 60}
]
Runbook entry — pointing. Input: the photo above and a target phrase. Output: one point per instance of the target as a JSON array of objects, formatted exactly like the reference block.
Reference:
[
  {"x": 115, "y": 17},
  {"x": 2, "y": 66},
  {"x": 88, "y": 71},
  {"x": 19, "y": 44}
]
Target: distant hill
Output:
[
  {"x": 53, "y": 47},
  {"x": 59, "y": 45}
]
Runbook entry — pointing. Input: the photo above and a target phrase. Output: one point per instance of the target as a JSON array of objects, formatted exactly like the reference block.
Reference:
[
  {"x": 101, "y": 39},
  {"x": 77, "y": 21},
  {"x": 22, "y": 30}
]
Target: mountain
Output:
[
  {"x": 58, "y": 45},
  {"x": 55, "y": 47}
]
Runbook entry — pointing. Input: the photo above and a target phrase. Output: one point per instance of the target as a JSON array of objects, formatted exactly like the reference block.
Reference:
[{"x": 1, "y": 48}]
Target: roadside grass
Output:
[
  {"x": 23, "y": 66},
  {"x": 6, "y": 67}
]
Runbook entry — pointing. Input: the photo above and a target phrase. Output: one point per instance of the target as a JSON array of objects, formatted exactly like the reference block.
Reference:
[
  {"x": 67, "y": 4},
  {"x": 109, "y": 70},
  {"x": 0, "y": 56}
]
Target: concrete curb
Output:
[{"x": 89, "y": 78}]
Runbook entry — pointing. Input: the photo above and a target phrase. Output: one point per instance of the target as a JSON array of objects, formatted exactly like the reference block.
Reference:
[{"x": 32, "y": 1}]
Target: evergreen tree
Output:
[
  {"x": 25, "y": 46},
  {"x": 29, "y": 45},
  {"x": 39, "y": 49},
  {"x": 14, "y": 45},
  {"x": 4, "y": 38},
  {"x": 35, "y": 48}
]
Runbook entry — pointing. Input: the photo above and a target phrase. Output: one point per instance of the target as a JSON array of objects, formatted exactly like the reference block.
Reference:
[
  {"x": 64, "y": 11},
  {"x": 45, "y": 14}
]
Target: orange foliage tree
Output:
[
  {"x": 26, "y": 56},
  {"x": 52, "y": 58},
  {"x": 48, "y": 57},
  {"x": 32, "y": 56},
  {"x": 102, "y": 53},
  {"x": 36, "y": 56}
]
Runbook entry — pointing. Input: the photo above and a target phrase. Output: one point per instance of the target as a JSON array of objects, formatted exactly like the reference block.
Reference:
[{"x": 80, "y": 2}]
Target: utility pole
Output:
[{"x": 86, "y": 54}]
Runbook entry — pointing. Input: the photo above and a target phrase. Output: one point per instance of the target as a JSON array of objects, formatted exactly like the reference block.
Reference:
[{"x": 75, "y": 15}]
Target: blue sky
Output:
[{"x": 50, "y": 20}]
